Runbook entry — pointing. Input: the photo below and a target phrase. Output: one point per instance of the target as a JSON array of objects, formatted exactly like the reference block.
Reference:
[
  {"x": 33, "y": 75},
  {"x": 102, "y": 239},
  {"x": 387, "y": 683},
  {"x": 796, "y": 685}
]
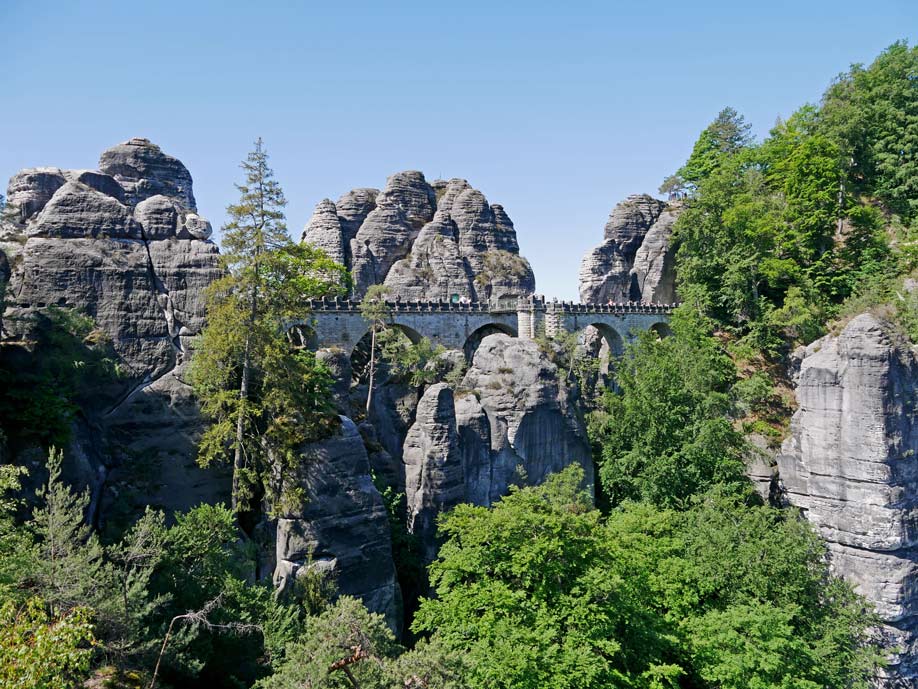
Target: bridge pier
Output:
[{"x": 529, "y": 317}]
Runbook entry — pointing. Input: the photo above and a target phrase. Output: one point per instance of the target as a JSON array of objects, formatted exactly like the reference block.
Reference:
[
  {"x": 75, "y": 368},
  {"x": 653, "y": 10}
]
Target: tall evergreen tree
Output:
[
  {"x": 263, "y": 390},
  {"x": 69, "y": 570}
]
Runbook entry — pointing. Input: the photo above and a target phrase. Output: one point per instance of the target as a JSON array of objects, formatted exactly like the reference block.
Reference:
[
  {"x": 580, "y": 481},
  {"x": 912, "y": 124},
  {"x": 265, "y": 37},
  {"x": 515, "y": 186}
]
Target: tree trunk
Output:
[
  {"x": 240, "y": 422},
  {"x": 372, "y": 369}
]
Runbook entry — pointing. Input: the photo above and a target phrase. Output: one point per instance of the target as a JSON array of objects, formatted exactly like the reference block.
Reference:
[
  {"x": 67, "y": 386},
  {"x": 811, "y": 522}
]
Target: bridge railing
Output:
[{"x": 501, "y": 305}]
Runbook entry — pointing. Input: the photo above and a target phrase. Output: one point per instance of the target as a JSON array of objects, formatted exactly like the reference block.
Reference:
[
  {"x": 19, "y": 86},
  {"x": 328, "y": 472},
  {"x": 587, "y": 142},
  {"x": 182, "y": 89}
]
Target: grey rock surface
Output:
[
  {"x": 29, "y": 190},
  {"x": 850, "y": 466},
  {"x": 510, "y": 421},
  {"x": 653, "y": 273},
  {"x": 324, "y": 231},
  {"x": 79, "y": 211},
  {"x": 342, "y": 528},
  {"x": 423, "y": 240},
  {"x": 125, "y": 247},
  {"x": 434, "y": 480},
  {"x": 143, "y": 170},
  {"x": 534, "y": 420},
  {"x": 635, "y": 261}
]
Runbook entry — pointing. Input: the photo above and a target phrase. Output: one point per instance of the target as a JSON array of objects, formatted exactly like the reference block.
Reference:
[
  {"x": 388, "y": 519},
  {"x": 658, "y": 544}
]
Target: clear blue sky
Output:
[{"x": 555, "y": 110}]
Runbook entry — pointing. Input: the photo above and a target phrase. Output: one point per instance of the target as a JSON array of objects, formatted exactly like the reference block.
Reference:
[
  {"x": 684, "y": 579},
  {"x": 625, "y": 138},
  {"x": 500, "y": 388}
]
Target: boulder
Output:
[
  {"x": 342, "y": 527},
  {"x": 653, "y": 274},
  {"x": 535, "y": 423},
  {"x": 630, "y": 220},
  {"x": 435, "y": 269},
  {"x": 78, "y": 211},
  {"x": 353, "y": 208},
  {"x": 402, "y": 209},
  {"x": 510, "y": 421},
  {"x": 30, "y": 189},
  {"x": 126, "y": 247},
  {"x": 158, "y": 216},
  {"x": 849, "y": 465},
  {"x": 605, "y": 274}
]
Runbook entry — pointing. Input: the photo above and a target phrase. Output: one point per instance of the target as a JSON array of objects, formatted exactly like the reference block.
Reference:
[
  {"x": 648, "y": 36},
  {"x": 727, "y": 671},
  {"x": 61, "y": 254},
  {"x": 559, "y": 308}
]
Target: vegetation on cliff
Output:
[{"x": 679, "y": 575}]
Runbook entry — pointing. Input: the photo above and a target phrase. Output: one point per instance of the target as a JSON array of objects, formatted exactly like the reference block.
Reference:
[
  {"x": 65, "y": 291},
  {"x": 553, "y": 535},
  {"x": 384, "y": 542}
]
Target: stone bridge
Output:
[{"x": 338, "y": 323}]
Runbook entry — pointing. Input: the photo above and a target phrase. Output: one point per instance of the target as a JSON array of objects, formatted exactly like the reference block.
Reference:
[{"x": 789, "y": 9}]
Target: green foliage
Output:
[
  {"x": 666, "y": 436},
  {"x": 263, "y": 390},
  {"x": 724, "y": 137},
  {"x": 776, "y": 236},
  {"x": 40, "y": 650},
  {"x": 541, "y": 591},
  {"x": 346, "y": 635},
  {"x": 412, "y": 361},
  {"x": 532, "y": 598},
  {"x": 346, "y": 646},
  {"x": 69, "y": 569},
  {"x": 873, "y": 113},
  {"x": 16, "y": 541},
  {"x": 66, "y": 367}
]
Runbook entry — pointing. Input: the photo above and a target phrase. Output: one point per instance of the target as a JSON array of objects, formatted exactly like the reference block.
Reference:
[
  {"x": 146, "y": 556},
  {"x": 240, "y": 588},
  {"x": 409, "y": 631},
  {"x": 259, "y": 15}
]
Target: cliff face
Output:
[
  {"x": 850, "y": 465},
  {"x": 126, "y": 246},
  {"x": 342, "y": 528},
  {"x": 510, "y": 420},
  {"x": 635, "y": 261},
  {"x": 423, "y": 240}
]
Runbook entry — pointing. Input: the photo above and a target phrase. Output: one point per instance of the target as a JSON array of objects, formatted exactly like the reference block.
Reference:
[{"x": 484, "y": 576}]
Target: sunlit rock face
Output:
[
  {"x": 851, "y": 465},
  {"x": 124, "y": 245},
  {"x": 341, "y": 528},
  {"x": 511, "y": 420},
  {"x": 635, "y": 261},
  {"x": 423, "y": 240}
]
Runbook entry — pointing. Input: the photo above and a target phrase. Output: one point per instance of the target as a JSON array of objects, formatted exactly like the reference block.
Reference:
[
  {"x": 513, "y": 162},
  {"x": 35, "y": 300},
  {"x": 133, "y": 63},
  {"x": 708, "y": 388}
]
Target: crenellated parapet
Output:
[
  {"x": 454, "y": 324},
  {"x": 506, "y": 305}
]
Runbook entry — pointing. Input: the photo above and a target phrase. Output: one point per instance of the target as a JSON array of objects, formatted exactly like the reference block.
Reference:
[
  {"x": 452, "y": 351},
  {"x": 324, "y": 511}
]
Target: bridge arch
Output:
[
  {"x": 474, "y": 339},
  {"x": 662, "y": 329},
  {"x": 359, "y": 354},
  {"x": 611, "y": 338}
]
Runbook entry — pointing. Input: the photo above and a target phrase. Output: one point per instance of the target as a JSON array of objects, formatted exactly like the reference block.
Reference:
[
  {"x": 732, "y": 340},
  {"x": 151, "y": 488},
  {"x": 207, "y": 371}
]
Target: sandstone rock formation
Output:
[
  {"x": 850, "y": 465},
  {"x": 635, "y": 261},
  {"x": 342, "y": 528},
  {"x": 125, "y": 246},
  {"x": 433, "y": 466},
  {"x": 511, "y": 420},
  {"x": 424, "y": 241}
]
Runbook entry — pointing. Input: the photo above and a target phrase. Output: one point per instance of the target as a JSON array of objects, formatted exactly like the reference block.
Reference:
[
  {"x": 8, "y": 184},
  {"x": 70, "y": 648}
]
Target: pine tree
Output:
[
  {"x": 69, "y": 570},
  {"x": 262, "y": 389}
]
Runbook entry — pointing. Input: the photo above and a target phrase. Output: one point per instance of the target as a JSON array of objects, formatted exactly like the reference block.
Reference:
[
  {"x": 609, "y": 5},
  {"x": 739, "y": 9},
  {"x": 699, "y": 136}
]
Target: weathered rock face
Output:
[
  {"x": 342, "y": 528},
  {"x": 635, "y": 261},
  {"x": 850, "y": 465},
  {"x": 534, "y": 422},
  {"x": 510, "y": 421},
  {"x": 434, "y": 478},
  {"x": 143, "y": 170},
  {"x": 424, "y": 241},
  {"x": 126, "y": 247}
]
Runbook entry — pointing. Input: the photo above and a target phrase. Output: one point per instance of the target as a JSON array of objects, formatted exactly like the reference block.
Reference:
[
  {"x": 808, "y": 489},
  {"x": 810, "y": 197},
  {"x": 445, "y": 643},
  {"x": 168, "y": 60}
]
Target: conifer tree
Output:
[
  {"x": 263, "y": 390},
  {"x": 69, "y": 570}
]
